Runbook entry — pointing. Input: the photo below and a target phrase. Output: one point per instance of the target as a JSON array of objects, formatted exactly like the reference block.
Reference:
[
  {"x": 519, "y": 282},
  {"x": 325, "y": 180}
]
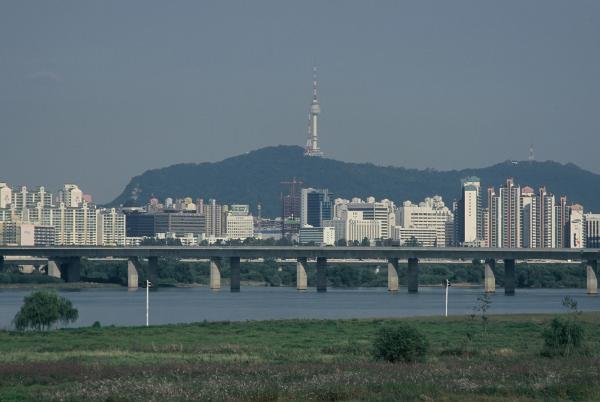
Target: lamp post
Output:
[
  {"x": 148, "y": 284},
  {"x": 447, "y": 286}
]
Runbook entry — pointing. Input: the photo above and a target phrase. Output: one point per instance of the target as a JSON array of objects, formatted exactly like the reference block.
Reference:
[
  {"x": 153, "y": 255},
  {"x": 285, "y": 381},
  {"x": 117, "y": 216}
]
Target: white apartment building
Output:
[
  {"x": 240, "y": 226},
  {"x": 424, "y": 237},
  {"x": 352, "y": 227},
  {"x": 529, "y": 218},
  {"x": 5, "y": 196},
  {"x": 383, "y": 211},
  {"x": 576, "y": 227},
  {"x": 76, "y": 226},
  {"x": 429, "y": 214},
  {"x": 72, "y": 196},
  {"x": 111, "y": 228}
]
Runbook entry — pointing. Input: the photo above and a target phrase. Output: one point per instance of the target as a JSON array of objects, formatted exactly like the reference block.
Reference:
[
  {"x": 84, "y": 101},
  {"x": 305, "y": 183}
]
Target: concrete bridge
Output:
[{"x": 65, "y": 262}]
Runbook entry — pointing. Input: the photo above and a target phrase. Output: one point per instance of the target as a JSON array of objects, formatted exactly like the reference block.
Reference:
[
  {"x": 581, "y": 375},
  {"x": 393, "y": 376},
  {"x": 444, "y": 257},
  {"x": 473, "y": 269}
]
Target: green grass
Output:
[{"x": 297, "y": 360}]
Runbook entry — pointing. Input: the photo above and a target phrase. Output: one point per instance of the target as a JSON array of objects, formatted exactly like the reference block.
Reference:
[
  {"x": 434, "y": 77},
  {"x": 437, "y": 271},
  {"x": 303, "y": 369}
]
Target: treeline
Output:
[{"x": 272, "y": 273}]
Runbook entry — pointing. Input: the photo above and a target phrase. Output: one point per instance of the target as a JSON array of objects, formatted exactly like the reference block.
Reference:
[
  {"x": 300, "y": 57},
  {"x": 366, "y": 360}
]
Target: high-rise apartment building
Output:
[
  {"x": 547, "y": 219},
  {"x": 510, "y": 198},
  {"x": 468, "y": 219},
  {"x": 529, "y": 218},
  {"x": 72, "y": 196},
  {"x": 562, "y": 218},
  {"x": 576, "y": 227},
  {"x": 111, "y": 228},
  {"x": 215, "y": 218},
  {"x": 5, "y": 196}
]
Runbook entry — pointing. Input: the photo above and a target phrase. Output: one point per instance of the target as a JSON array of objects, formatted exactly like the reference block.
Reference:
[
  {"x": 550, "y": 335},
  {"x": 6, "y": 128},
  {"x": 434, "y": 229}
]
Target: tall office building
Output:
[
  {"x": 510, "y": 198},
  {"x": 468, "y": 219},
  {"x": 592, "y": 230},
  {"x": 315, "y": 207}
]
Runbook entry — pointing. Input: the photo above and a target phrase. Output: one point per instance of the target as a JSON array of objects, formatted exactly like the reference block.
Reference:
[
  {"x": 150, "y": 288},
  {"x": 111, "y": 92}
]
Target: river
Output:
[{"x": 181, "y": 305}]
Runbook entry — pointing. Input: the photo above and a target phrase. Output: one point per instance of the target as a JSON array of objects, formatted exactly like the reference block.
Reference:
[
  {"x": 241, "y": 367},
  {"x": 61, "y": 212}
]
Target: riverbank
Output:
[{"x": 297, "y": 360}]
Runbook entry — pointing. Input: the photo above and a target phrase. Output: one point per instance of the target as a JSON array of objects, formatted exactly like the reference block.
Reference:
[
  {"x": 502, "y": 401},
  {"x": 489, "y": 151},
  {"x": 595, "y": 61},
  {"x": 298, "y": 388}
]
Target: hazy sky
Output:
[{"x": 95, "y": 92}]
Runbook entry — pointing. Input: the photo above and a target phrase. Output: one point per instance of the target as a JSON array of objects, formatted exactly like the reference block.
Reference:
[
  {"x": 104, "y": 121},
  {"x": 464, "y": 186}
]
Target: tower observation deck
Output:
[{"x": 312, "y": 144}]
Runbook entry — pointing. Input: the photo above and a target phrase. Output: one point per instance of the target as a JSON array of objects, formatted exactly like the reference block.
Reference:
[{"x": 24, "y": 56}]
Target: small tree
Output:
[
  {"x": 400, "y": 343},
  {"x": 42, "y": 309},
  {"x": 564, "y": 336}
]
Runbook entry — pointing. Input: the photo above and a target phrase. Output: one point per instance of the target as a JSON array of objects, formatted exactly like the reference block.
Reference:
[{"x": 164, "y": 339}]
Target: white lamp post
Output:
[
  {"x": 148, "y": 284},
  {"x": 447, "y": 286}
]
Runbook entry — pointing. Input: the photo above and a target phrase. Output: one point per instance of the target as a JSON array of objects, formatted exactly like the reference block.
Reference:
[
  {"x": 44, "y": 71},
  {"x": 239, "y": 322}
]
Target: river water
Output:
[{"x": 180, "y": 305}]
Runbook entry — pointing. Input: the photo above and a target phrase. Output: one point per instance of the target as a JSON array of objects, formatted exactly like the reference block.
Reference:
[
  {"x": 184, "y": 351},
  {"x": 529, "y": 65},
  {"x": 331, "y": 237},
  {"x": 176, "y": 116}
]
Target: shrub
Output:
[
  {"x": 562, "y": 338},
  {"x": 42, "y": 309},
  {"x": 400, "y": 343}
]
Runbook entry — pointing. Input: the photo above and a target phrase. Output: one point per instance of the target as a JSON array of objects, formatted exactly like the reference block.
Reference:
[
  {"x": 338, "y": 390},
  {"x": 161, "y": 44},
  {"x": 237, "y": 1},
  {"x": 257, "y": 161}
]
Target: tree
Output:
[
  {"x": 365, "y": 242},
  {"x": 400, "y": 343},
  {"x": 42, "y": 309}
]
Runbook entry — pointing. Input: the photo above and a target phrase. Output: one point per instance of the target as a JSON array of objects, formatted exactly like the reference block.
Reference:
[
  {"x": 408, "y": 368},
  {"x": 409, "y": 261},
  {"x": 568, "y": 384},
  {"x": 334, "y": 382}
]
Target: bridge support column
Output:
[
  {"x": 152, "y": 274},
  {"x": 53, "y": 268},
  {"x": 133, "y": 265},
  {"x": 72, "y": 271},
  {"x": 592, "y": 281},
  {"x": 413, "y": 275},
  {"x": 392, "y": 274},
  {"x": 321, "y": 274},
  {"x": 234, "y": 267},
  {"x": 1, "y": 263},
  {"x": 489, "y": 281},
  {"x": 509, "y": 277},
  {"x": 215, "y": 273},
  {"x": 301, "y": 278}
]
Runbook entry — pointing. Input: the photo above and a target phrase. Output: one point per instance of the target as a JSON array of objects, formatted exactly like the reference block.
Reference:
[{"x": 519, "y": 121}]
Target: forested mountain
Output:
[{"x": 256, "y": 177}]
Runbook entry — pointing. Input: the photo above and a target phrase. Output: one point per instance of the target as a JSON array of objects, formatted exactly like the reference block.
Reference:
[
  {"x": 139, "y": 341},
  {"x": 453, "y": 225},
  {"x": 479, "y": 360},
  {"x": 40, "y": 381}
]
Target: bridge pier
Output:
[
  {"x": 215, "y": 273},
  {"x": 152, "y": 273},
  {"x": 592, "y": 281},
  {"x": 1, "y": 263},
  {"x": 413, "y": 275},
  {"x": 489, "y": 281},
  {"x": 234, "y": 267},
  {"x": 509, "y": 277},
  {"x": 301, "y": 278},
  {"x": 321, "y": 274},
  {"x": 392, "y": 275},
  {"x": 53, "y": 268},
  {"x": 133, "y": 266}
]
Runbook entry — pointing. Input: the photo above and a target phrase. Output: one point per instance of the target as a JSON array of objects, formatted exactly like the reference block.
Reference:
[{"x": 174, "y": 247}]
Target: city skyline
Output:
[{"x": 412, "y": 86}]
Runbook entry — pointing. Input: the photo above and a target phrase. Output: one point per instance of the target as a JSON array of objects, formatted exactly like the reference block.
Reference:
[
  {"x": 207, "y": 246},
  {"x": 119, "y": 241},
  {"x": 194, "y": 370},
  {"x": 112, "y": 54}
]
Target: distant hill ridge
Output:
[{"x": 255, "y": 177}]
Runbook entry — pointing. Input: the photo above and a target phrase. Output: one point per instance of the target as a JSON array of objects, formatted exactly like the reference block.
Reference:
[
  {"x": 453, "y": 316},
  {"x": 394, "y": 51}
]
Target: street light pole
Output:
[
  {"x": 148, "y": 284},
  {"x": 447, "y": 286}
]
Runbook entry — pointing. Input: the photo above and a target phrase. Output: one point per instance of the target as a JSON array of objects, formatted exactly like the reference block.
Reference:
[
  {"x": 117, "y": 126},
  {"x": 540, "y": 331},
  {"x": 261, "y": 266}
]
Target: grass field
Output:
[{"x": 297, "y": 360}]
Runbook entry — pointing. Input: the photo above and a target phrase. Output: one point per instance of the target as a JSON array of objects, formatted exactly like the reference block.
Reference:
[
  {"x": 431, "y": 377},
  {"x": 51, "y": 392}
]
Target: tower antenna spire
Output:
[{"x": 312, "y": 145}]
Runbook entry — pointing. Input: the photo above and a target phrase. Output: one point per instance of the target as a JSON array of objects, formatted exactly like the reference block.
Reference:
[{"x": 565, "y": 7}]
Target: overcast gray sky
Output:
[{"x": 95, "y": 92}]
